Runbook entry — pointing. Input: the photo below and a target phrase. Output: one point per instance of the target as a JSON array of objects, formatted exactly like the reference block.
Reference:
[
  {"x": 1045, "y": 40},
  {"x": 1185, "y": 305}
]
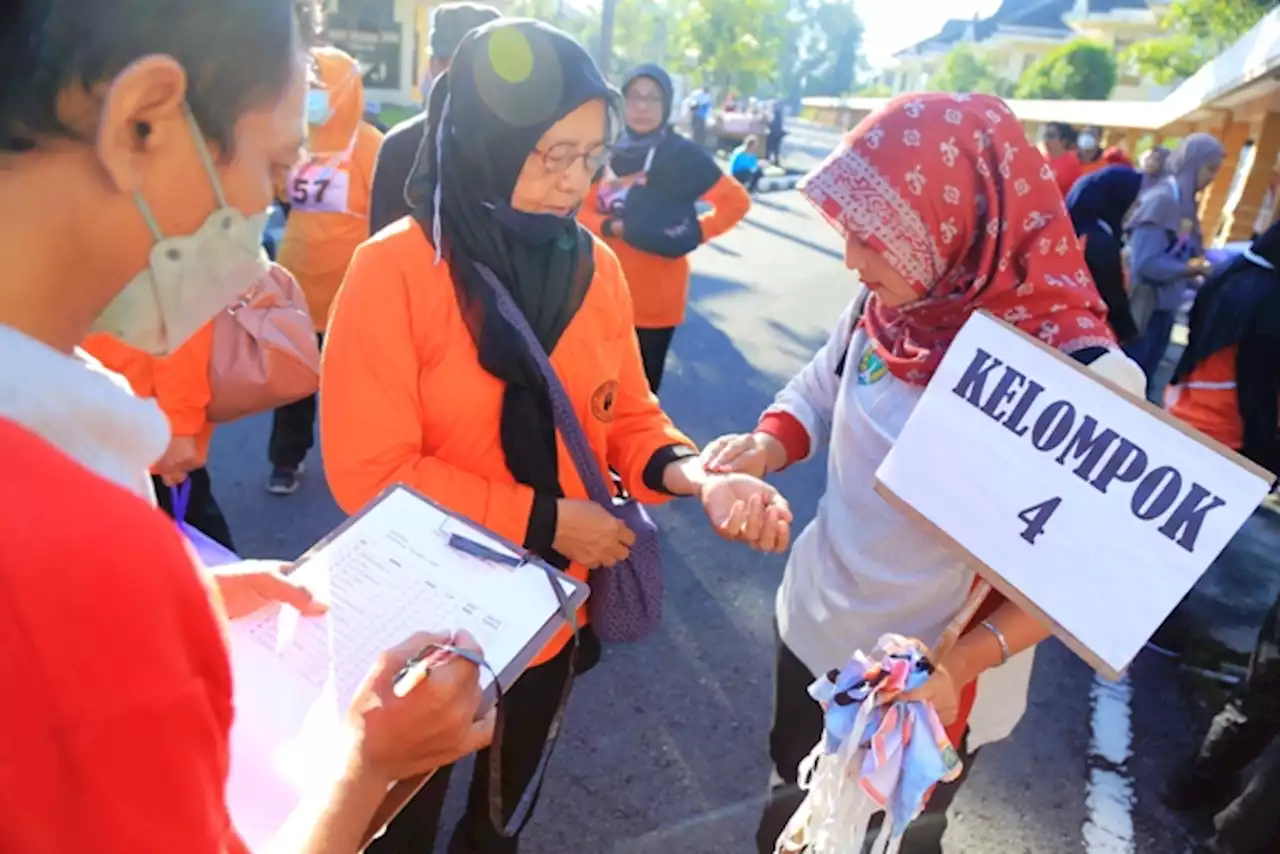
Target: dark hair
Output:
[
  {"x": 1064, "y": 132},
  {"x": 452, "y": 21},
  {"x": 237, "y": 54}
]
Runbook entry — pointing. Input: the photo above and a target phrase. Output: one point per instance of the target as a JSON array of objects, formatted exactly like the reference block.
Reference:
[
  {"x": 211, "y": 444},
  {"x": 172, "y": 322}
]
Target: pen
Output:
[{"x": 432, "y": 655}]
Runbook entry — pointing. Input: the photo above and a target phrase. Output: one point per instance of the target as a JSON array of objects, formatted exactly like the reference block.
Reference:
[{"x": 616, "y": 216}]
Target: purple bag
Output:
[
  {"x": 211, "y": 552},
  {"x": 626, "y": 599}
]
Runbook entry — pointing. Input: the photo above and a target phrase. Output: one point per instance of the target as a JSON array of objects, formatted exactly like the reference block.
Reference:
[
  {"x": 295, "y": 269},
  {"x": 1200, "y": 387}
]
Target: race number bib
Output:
[{"x": 320, "y": 189}]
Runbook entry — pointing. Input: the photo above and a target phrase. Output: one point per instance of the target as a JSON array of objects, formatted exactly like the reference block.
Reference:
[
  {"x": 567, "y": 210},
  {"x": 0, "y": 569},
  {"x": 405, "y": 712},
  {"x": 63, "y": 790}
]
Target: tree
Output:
[
  {"x": 963, "y": 70},
  {"x": 1080, "y": 69},
  {"x": 737, "y": 42},
  {"x": 1195, "y": 31},
  {"x": 821, "y": 56}
]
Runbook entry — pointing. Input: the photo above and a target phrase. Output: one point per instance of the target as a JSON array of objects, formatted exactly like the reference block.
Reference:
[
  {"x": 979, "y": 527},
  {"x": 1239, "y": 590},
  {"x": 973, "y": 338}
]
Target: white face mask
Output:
[
  {"x": 190, "y": 278},
  {"x": 1087, "y": 142}
]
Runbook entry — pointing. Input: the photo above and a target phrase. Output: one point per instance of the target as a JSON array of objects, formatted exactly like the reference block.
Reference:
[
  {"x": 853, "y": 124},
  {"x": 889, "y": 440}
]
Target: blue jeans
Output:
[{"x": 1149, "y": 348}]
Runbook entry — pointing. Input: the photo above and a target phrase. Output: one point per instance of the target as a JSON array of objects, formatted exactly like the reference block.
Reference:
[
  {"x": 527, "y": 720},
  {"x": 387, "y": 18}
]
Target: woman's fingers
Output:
[{"x": 732, "y": 450}]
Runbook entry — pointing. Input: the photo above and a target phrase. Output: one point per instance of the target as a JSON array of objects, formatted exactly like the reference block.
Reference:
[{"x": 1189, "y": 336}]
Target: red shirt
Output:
[
  {"x": 117, "y": 689},
  {"x": 1066, "y": 169}
]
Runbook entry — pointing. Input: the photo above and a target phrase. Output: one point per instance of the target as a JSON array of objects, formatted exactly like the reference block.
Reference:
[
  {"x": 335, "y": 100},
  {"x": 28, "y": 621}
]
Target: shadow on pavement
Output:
[{"x": 808, "y": 244}]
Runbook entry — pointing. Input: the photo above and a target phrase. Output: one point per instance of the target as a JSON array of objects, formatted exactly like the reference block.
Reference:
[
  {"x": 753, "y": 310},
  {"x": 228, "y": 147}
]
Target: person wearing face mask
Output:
[
  {"x": 944, "y": 255},
  {"x": 638, "y": 224},
  {"x": 1091, "y": 155},
  {"x": 161, "y": 126},
  {"x": 328, "y": 195},
  {"x": 427, "y": 383},
  {"x": 449, "y": 23},
  {"x": 1164, "y": 236}
]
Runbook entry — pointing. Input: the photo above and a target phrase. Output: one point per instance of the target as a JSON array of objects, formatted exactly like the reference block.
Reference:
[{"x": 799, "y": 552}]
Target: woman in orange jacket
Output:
[
  {"x": 1227, "y": 383},
  {"x": 179, "y": 383},
  {"x": 653, "y": 229},
  {"x": 425, "y": 383},
  {"x": 328, "y": 199}
]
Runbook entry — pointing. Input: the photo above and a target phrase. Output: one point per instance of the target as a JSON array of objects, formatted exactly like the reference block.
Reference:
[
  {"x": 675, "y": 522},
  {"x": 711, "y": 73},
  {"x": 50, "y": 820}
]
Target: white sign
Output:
[{"x": 1097, "y": 511}]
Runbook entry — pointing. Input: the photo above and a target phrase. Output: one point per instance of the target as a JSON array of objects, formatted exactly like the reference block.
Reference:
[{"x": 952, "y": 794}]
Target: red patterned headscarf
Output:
[{"x": 950, "y": 192}]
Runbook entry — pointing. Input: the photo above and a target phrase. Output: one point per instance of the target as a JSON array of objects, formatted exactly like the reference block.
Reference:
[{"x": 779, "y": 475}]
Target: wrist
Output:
[
  {"x": 685, "y": 476},
  {"x": 775, "y": 453},
  {"x": 969, "y": 658},
  {"x": 360, "y": 772}
]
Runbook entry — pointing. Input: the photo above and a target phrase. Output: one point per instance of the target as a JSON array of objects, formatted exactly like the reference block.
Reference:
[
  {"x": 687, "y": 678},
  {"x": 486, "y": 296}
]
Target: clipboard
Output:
[{"x": 410, "y": 526}]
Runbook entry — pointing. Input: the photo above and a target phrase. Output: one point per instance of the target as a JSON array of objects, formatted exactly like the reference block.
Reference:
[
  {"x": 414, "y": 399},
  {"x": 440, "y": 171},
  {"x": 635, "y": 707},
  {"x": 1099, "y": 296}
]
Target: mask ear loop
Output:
[
  {"x": 202, "y": 148},
  {"x": 437, "y": 195}
]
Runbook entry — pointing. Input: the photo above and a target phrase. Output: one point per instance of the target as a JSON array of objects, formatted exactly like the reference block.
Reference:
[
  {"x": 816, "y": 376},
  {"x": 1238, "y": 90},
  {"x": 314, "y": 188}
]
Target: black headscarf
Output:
[
  {"x": 1105, "y": 196},
  {"x": 510, "y": 82},
  {"x": 1243, "y": 294},
  {"x": 681, "y": 170}
]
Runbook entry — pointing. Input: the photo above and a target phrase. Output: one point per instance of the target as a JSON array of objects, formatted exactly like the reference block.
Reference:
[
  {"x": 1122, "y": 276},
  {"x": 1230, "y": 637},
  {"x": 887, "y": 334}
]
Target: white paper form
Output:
[{"x": 391, "y": 572}]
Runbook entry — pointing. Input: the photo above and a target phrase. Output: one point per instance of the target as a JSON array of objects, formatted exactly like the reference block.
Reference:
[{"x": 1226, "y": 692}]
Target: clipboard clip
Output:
[{"x": 467, "y": 546}]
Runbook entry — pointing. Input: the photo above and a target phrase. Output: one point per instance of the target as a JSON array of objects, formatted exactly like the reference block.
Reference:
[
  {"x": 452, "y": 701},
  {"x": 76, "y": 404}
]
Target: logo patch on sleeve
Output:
[{"x": 603, "y": 399}]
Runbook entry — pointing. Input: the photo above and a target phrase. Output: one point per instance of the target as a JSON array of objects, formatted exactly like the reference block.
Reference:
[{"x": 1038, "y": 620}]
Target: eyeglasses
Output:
[
  {"x": 645, "y": 100},
  {"x": 560, "y": 157}
]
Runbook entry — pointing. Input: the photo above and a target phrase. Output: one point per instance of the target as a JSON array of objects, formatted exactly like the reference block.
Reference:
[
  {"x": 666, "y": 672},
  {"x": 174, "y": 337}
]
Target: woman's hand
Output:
[
  {"x": 180, "y": 457},
  {"x": 943, "y": 688},
  {"x": 588, "y": 534},
  {"x": 745, "y": 509},
  {"x": 251, "y": 585},
  {"x": 426, "y": 720},
  {"x": 755, "y": 454}
]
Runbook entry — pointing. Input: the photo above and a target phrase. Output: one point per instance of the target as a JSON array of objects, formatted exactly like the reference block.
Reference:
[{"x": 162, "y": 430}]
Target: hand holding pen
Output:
[{"x": 417, "y": 709}]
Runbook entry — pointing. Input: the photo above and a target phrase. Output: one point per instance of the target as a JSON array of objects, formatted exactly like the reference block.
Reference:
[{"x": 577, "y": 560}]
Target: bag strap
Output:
[
  {"x": 575, "y": 438},
  {"x": 859, "y": 308},
  {"x": 180, "y": 500}
]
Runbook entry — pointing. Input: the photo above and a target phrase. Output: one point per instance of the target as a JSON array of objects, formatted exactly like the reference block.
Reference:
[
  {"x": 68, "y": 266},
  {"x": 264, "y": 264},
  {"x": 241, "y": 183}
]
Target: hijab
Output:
[
  {"x": 1172, "y": 199},
  {"x": 948, "y": 190},
  {"x": 510, "y": 81},
  {"x": 1103, "y": 198},
  {"x": 1243, "y": 294},
  {"x": 1160, "y": 160},
  {"x": 680, "y": 169}
]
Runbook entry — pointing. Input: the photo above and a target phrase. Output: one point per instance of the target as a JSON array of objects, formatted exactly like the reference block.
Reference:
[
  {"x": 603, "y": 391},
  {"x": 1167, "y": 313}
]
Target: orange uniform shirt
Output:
[
  {"x": 660, "y": 286},
  {"x": 179, "y": 382},
  {"x": 329, "y": 191},
  {"x": 403, "y": 398},
  {"x": 118, "y": 703}
]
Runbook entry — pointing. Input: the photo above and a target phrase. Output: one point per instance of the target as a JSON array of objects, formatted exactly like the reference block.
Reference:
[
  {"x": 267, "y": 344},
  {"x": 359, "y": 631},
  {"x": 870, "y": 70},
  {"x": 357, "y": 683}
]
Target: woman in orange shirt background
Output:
[
  {"x": 179, "y": 383},
  {"x": 653, "y": 229},
  {"x": 425, "y": 383},
  {"x": 328, "y": 195}
]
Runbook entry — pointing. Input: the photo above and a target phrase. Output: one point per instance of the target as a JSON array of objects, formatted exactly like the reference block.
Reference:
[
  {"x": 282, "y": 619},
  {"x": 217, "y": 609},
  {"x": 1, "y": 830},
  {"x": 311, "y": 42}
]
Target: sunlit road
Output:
[{"x": 664, "y": 749}]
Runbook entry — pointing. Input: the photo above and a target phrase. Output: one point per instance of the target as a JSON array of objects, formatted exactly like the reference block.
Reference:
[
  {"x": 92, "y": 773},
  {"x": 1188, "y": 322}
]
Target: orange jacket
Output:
[
  {"x": 403, "y": 398},
  {"x": 1208, "y": 401},
  {"x": 318, "y": 244},
  {"x": 179, "y": 382},
  {"x": 660, "y": 286}
]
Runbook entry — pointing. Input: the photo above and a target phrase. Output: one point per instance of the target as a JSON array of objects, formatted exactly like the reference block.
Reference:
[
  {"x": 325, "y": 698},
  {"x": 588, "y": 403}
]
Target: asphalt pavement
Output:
[{"x": 664, "y": 748}]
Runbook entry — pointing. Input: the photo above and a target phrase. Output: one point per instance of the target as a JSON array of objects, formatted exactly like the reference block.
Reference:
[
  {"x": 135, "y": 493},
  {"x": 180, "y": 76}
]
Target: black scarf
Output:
[
  {"x": 510, "y": 82},
  {"x": 681, "y": 170},
  {"x": 1240, "y": 296}
]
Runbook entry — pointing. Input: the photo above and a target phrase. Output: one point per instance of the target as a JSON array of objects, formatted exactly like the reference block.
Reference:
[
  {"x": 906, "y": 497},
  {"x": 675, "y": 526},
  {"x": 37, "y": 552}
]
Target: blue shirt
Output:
[{"x": 743, "y": 161}]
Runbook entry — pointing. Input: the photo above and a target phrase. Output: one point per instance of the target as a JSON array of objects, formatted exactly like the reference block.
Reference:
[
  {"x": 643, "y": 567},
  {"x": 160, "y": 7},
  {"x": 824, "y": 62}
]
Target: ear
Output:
[{"x": 142, "y": 115}]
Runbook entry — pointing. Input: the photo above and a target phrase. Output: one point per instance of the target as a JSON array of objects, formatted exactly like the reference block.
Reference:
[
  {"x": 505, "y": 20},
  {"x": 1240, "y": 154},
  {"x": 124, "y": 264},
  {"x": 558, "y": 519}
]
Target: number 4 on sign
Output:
[{"x": 1035, "y": 517}]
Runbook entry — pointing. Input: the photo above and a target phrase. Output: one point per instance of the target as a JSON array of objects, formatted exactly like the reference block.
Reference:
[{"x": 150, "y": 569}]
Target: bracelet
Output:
[{"x": 999, "y": 636}]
